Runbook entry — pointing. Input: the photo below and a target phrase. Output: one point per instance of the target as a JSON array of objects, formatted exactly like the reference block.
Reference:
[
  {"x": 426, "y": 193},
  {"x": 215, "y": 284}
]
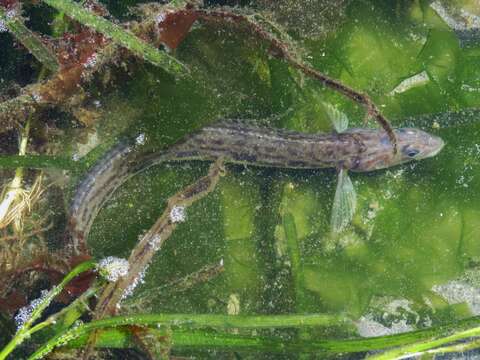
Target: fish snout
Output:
[{"x": 435, "y": 144}]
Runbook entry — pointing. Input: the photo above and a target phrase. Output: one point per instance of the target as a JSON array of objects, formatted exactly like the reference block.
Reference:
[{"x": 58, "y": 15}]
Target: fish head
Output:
[
  {"x": 412, "y": 145},
  {"x": 415, "y": 144}
]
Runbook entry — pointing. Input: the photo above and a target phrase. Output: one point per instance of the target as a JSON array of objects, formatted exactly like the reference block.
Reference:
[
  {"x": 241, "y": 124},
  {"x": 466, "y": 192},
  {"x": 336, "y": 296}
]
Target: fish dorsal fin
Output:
[
  {"x": 338, "y": 119},
  {"x": 344, "y": 203}
]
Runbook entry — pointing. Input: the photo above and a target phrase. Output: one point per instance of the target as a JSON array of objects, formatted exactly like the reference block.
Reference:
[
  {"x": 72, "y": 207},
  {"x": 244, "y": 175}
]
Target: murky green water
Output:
[
  {"x": 411, "y": 258},
  {"x": 416, "y": 226}
]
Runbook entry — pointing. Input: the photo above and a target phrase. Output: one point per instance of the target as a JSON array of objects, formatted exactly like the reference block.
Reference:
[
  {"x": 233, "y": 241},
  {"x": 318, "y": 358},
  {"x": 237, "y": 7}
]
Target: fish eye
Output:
[{"x": 412, "y": 152}]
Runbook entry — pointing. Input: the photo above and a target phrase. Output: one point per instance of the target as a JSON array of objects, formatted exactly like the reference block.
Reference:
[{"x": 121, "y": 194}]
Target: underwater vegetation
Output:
[{"x": 248, "y": 179}]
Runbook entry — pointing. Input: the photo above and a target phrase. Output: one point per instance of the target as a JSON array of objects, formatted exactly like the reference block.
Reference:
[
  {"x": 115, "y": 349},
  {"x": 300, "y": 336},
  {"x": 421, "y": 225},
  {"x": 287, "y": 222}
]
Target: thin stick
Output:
[
  {"x": 154, "y": 239},
  {"x": 151, "y": 242},
  {"x": 280, "y": 50},
  {"x": 203, "y": 275}
]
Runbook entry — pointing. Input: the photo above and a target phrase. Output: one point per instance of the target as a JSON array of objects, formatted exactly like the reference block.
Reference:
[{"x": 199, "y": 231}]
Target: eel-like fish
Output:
[{"x": 357, "y": 150}]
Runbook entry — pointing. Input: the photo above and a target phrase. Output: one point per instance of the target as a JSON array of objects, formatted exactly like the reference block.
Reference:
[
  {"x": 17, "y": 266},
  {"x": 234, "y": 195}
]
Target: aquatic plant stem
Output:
[
  {"x": 26, "y": 328},
  {"x": 120, "y": 36},
  {"x": 185, "y": 335},
  {"x": 422, "y": 347},
  {"x": 151, "y": 243},
  {"x": 191, "y": 321},
  {"x": 294, "y": 256},
  {"x": 40, "y": 162},
  {"x": 29, "y": 40},
  {"x": 296, "y": 269},
  {"x": 201, "y": 276},
  {"x": 281, "y": 50},
  {"x": 48, "y": 322},
  {"x": 15, "y": 188}
]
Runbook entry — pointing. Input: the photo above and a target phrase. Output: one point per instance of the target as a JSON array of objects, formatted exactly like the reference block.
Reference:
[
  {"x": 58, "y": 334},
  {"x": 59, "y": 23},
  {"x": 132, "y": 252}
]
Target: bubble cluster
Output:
[
  {"x": 155, "y": 242},
  {"x": 456, "y": 292},
  {"x": 140, "y": 279},
  {"x": 10, "y": 14},
  {"x": 140, "y": 139},
  {"x": 25, "y": 313},
  {"x": 3, "y": 27},
  {"x": 113, "y": 268},
  {"x": 178, "y": 214},
  {"x": 160, "y": 18}
]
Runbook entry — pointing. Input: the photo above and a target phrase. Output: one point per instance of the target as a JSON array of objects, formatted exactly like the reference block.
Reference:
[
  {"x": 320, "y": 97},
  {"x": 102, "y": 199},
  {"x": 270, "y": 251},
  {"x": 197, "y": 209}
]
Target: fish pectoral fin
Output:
[
  {"x": 339, "y": 119},
  {"x": 344, "y": 203}
]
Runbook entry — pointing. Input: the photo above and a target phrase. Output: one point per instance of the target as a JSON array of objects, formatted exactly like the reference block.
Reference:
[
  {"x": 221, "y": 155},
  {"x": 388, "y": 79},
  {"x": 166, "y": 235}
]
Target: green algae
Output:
[
  {"x": 416, "y": 226},
  {"x": 410, "y": 232}
]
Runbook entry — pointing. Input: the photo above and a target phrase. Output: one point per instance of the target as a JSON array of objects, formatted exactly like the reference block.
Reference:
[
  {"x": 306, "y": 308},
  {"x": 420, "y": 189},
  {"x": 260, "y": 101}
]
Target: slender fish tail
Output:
[{"x": 116, "y": 167}]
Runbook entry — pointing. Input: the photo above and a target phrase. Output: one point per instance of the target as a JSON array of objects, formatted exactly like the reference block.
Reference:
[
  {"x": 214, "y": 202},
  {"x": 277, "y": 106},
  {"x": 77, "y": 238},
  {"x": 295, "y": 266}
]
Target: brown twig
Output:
[
  {"x": 205, "y": 274},
  {"x": 177, "y": 22},
  {"x": 151, "y": 242},
  {"x": 201, "y": 276},
  {"x": 281, "y": 50}
]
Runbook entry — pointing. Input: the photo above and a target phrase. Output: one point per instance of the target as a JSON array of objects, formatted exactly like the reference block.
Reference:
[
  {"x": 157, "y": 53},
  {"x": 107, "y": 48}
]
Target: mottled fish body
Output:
[{"x": 355, "y": 149}]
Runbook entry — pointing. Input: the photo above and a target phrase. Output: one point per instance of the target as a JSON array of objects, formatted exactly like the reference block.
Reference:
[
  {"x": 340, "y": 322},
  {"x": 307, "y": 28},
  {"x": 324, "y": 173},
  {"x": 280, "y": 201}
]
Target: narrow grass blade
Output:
[
  {"x": 24, "y": 332},
  {"x": 30, "y": 40},
  {"x": 191, "y": 321},
  {"x": 40, "y": 162}
]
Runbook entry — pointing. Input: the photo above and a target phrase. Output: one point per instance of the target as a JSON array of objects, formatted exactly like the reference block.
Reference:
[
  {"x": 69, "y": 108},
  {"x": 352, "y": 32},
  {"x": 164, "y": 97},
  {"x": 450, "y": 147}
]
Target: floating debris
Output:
[
  {"x": 465, "y": 24},
  {"x": 460, "y": 21},
  {"x": 368, "y": 327},
  {"x": 91, "y": 61},
  {"x": 389, "y": 316},
  {"x": 233, "y": 306},
  {"x": 92, "y": 141},
  {"x": 411, "y": 82}
]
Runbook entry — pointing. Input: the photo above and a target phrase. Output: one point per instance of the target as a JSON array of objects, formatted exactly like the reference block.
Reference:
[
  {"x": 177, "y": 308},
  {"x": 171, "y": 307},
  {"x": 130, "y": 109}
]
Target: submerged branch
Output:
[
  {"x": 281, "y": 50},
  {"x": 154, "y": 239},
  {"x": 151, "y": 242},
  {"x": 205, "y": 274}
]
